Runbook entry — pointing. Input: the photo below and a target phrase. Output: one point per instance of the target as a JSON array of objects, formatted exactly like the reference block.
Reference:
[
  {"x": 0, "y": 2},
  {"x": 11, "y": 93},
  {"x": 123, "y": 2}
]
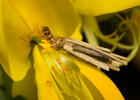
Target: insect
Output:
[{"x": 98, "y": 56}]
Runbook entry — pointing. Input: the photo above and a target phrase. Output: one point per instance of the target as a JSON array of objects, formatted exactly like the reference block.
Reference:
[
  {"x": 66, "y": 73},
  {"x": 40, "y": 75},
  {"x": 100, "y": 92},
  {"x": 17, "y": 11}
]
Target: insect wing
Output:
[{"x": 85, "y": 57}]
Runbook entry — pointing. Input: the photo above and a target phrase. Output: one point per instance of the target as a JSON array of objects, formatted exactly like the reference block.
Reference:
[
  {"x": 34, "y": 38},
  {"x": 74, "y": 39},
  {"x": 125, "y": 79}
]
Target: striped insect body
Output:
[{"x": 98, "y": 56}]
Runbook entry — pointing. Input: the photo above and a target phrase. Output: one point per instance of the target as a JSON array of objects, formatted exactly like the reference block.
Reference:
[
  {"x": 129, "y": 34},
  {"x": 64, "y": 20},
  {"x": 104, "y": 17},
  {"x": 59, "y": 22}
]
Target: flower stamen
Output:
[
  {"x": 65, "y": 69},
  {"x": 58, "y": 61},
  {"x": 43, "y": 51},
  {"x": 48, "y": 82},
  {"x": 52, "y": 67}
]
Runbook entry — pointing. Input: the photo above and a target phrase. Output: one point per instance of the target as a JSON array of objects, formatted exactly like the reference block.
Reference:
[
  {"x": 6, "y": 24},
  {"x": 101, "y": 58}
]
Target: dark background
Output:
[{"x": 127, "y": 80}]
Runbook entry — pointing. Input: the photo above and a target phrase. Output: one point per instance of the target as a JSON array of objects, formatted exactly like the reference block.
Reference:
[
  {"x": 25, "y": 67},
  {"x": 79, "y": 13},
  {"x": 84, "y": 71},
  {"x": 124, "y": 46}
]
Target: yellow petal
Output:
[
  {"x": 67, "y": 76},
  {"x": 17, "y": 38},
  {"x": 26, "y": 87},
  {"x": 1, "y": 29},
  {"x": 58, "y": 15},
  {"x": 44, "y": 83},
  {"x": 105, "y": 86},
  {"x": 77, "y": 33},
  {"x": 1, "y": 35},
  {"x": 70, "y": 82},
  {"x": 99, "y": 7}
]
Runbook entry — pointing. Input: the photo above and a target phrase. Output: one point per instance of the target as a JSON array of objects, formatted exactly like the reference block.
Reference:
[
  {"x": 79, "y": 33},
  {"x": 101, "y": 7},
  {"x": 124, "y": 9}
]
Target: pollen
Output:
[
  {"x": 48, "y": 82},
  {"x": 58, "y": 61},
  {"x": 54, "y": 69},
  {"x": 43, "y": 51},
  {"x": 65, "y": 69}
]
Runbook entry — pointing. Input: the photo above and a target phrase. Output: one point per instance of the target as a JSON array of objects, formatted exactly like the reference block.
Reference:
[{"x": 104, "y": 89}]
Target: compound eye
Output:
[{"x": 45, "y": 29}]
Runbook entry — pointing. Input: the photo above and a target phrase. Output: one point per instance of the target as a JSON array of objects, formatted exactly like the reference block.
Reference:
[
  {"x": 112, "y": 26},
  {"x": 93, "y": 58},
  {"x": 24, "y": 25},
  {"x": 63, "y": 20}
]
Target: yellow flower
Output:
[
  {"x": 21, "y": 22},
  {"x": 100, "y": 7}
]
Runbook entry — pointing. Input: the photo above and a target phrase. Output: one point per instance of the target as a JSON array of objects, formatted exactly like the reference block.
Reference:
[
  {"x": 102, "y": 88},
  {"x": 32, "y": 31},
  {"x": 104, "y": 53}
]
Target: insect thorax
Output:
[{"x": 57, "y": 42}]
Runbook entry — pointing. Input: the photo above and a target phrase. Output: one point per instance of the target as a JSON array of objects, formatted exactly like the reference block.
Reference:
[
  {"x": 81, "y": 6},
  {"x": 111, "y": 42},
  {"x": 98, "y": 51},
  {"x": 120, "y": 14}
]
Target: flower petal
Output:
[
  {"x": 1, "y": 35},
  {"x": 106, "y": 87},
  {"x": 1, "y": 29},
  {"x": 67, "y": 76},
  {"x": 99, "y": 7},
  {"x": 17, "y": 39},
  {"x": 26, "y": 87},
  {"x": 44, "y": 84},
  {"x": 70, "y": 83},
  {"x": 58, "y": 15},
  {"x": 77, "y": 33}
]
